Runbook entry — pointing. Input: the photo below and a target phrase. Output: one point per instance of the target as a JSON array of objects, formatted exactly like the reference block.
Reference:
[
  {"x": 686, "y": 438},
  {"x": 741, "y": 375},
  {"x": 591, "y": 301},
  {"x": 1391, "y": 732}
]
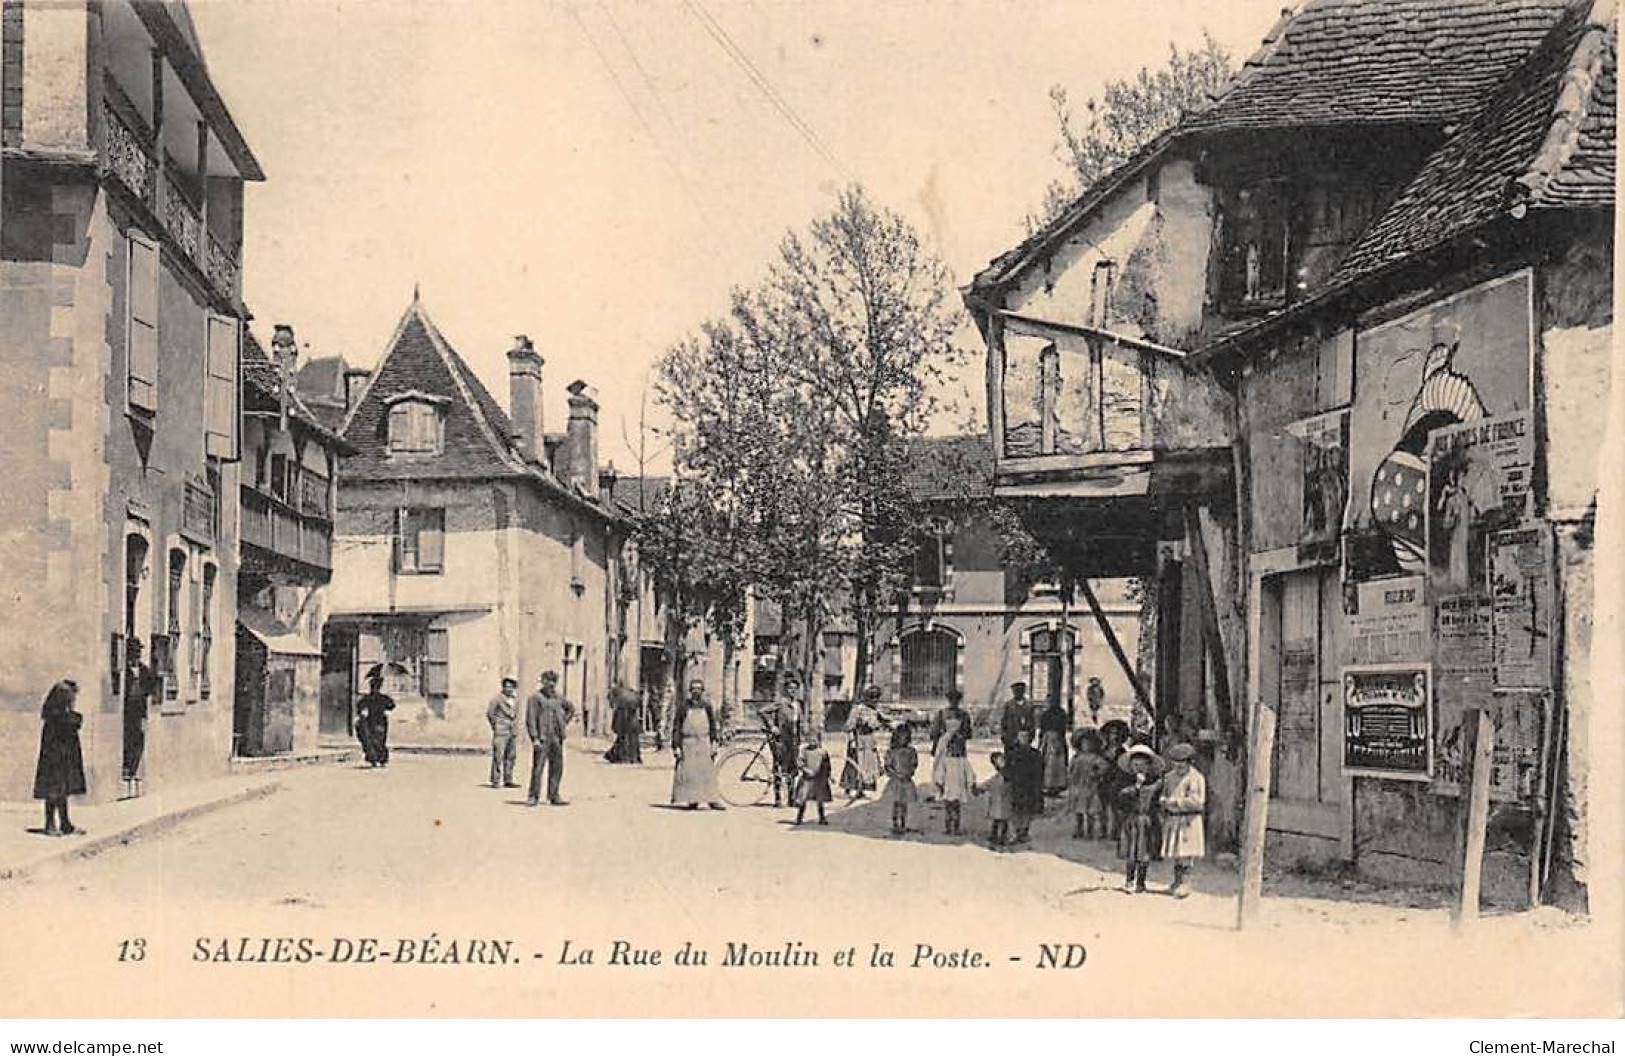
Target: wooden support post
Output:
[
  {"x": 1210, "y": 617},
  {"x": 1255, "y": 822},
  {"x": 1116, "y": 647},
  {"x": 1478, "y": 754}
]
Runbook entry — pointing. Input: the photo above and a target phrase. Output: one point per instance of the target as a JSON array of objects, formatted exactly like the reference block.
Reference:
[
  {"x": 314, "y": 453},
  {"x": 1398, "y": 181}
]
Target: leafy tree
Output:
[{"x": 1128, "y": 114}]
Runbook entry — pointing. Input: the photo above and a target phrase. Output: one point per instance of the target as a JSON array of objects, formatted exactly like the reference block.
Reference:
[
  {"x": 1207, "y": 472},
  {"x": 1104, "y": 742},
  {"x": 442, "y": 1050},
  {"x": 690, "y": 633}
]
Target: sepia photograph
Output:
[{"x": 700, "y": 509}]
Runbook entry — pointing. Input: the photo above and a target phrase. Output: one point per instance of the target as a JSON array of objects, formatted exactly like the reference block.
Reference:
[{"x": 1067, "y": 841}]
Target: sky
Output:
[{"x": 598, "y": 175}]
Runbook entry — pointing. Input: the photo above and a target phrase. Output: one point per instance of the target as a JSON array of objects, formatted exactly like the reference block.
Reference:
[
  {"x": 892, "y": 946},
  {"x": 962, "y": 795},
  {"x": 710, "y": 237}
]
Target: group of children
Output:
[{"x": 1152, "y": 805}]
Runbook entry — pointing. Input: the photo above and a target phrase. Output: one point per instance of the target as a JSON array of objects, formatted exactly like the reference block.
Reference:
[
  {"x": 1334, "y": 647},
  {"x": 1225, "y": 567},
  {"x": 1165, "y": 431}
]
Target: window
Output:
[
  {"x": 177, "y": 582},
  {"x": 930, "y": 563},
  {"x": 420, "y": 540},
  {"x": 930, "y": 664},
  {"x": 141, "y": 333},
  {"x": 834, "y": 669},
  {"x": 414, "y": 428},
  {"x": 1050, "y": 677},
  {"x": 220, "y": 436},
  {"x": 1255, "y": 246},
  {"x": 206, "y": 632}
]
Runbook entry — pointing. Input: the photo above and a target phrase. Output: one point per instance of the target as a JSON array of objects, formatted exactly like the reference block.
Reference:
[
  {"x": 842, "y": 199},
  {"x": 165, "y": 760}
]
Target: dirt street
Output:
[{"x": 262, "y": 908}]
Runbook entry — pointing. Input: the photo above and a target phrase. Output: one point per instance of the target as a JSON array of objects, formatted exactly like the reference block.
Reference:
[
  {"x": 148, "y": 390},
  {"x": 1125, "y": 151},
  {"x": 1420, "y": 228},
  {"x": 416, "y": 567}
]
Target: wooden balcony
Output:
[
  {"x": 1085, "y": 413},
  {"x": 280, "y": 531},
  {"x": 130, "y": 157}
]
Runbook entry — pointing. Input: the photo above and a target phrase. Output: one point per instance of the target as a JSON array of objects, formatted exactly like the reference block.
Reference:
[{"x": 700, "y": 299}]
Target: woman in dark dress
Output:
[
  {"x": 372, "y": 726},
  {"x": 61, "y": 769},
  {"x": 627, "y": 726}
]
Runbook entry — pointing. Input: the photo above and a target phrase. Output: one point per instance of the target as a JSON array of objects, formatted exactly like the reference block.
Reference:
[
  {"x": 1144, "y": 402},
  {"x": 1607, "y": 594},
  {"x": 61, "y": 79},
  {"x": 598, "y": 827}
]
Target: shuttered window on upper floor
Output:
[
  {"x": 221, "y": 431},
  {"x": 141, "y": 297}
]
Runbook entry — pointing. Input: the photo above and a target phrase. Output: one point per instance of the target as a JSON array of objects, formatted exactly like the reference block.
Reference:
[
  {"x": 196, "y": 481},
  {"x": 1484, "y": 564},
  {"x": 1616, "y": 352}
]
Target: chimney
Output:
[
  {"x": 582, "y": 445},
  {"x": 355, "y": 379},
  {"x": 525, "y": 399},
  {"x": 285, "y": 353}
]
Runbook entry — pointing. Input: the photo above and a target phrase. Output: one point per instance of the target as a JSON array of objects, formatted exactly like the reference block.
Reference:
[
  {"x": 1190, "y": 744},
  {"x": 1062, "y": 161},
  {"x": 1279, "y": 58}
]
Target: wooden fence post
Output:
[
  {"x": 1255, "y": 822},
  {"x": 1478, "y": 755}
]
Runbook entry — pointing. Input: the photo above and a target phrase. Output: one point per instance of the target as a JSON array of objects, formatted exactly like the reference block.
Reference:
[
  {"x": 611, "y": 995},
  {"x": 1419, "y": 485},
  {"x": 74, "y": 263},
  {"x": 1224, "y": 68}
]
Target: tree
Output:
[
  {"x": 1128, "y": 114},
  {"x": 861, "y": 317},
  {"x": 795, "y": 415}
]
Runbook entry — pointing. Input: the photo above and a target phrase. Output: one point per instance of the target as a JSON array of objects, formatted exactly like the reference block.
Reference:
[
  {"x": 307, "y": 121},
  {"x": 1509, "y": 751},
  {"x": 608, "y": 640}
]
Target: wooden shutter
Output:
[
  {"x": 437, "y": 662},
  {"x": 141, "y": 344},
  {"x": 220, "y": 429},
  {"x": 431, "y": 540},
  {"x": 397, "y": 550}
]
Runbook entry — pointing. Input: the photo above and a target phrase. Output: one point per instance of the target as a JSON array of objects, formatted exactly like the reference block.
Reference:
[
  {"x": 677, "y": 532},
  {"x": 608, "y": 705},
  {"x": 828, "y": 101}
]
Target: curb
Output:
[{"x": 149, "y": 827}]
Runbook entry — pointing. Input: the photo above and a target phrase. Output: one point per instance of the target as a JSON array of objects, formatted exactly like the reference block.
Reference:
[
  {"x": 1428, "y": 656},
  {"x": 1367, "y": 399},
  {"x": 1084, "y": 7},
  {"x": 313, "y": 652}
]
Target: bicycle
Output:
[{"x": 747, "y": 772}]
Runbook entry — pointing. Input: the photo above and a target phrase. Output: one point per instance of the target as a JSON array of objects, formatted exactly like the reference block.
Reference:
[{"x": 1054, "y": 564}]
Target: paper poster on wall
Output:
[
  {"x": 1325, "y": 483},
  {"x": 1515, "y": 762},
  {"x": 1478, "y": 484},
  {"x": 1521, "y": 595},
  {"x": 1461, "y": 359},
  {"x": 1388, "y": 622},
  {"x": 1461, "y": 640},
  {"x": 1388, "y": 721}
]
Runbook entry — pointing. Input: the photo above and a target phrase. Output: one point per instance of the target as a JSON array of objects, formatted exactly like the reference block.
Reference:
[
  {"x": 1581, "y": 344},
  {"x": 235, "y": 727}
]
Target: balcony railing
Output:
[
  {"x": 275, "y": 527},
  {"x": 129, "y": 157}
]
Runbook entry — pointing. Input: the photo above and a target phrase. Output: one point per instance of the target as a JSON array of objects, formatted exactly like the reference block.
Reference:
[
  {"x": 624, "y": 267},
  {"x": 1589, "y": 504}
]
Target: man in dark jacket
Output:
[
  {"x": 547, "y": 720},
  {"x": 139, "y": 685},
  {"x": 1017, "y": 714}
]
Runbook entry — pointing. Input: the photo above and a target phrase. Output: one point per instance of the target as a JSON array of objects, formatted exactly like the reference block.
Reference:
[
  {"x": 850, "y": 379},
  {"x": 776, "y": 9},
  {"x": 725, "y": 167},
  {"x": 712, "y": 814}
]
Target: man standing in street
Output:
[
  {"x": 503, "y": 715},
  {"x": 547, "y": 719},
  {"x": 1016, "y": 716},
  {"x": 139, "y": 685}
]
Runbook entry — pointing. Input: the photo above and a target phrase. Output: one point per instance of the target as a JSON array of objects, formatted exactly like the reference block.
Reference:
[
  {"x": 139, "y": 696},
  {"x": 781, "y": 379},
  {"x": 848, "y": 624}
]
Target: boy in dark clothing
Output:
[{"x": 1024, "y": 777}]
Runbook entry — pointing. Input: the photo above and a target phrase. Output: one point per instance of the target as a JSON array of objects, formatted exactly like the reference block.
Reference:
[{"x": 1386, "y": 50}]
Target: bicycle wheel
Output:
[{"x": 745, "y": 775}]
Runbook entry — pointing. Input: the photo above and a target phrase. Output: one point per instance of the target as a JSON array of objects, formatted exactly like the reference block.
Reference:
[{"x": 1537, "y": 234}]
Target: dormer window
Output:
[{"x": 417, "y": 424}]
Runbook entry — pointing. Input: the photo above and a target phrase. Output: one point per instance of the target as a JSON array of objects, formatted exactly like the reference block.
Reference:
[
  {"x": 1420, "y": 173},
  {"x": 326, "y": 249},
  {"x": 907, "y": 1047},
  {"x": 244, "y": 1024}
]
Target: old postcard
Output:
[{"x": 709, "y": 508}]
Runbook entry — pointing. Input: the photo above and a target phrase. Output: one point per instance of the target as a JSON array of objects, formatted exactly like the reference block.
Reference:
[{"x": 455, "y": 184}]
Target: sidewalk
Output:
[{"x": 24, "y": 853}]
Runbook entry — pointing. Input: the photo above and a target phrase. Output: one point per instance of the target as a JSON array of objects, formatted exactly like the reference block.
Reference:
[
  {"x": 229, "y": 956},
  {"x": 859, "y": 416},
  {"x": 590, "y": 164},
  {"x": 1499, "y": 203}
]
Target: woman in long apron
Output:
[
  {"x": 694, "y": 739},
  {"x": 1053, "y": 725},
  {"x": 950, "y": 769}
]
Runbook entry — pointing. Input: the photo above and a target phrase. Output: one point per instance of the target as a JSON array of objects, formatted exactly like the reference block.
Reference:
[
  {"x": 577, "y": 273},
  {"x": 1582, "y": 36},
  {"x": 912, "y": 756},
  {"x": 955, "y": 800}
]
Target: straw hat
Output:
[{"x": 1126, "y": 760}]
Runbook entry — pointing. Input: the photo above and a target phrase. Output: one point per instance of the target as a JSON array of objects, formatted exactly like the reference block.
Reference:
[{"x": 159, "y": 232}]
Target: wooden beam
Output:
[
  {"x": 1211, "y": 636},
  {"x": 1478, "y": 753},
  {"x": 1116, "y": 647},
  {"x": 1255, "y": 819}
]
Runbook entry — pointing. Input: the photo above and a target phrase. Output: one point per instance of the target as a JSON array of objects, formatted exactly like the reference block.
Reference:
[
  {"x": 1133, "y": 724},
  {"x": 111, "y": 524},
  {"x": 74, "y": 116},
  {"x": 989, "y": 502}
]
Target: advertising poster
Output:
[
  {"x": 1325, "y": 483},
  {"x": 1515, "y": 763},
  {"x": 1389, "y": 622},
  {"x": 1387, "y": 721},
  {"x": 1521, "y": 599},
  {"x": 1477, "y": 484},
  {"x": 1462, "y": 359}
]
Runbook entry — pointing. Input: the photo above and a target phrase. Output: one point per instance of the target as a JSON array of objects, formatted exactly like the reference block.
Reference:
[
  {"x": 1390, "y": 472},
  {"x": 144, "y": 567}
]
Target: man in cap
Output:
[
  {"x": 1016, "y": 715},
  {"x": 547, "y": 719},
  {"x": 503, "y": 713}
]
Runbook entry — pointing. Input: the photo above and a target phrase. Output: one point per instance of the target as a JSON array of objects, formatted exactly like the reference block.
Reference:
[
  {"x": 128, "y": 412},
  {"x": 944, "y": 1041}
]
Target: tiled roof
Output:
[
  {"x": 1343, "y": 61},
  {"x": 950, "y": 467},
  {"x": 419, "y": 358},
  {"x": 634, "y": 494},
  {"x": 1545, "y": 137},
  {"x": 1425, "y": 62},
  {"x": 477, "y": 431}
]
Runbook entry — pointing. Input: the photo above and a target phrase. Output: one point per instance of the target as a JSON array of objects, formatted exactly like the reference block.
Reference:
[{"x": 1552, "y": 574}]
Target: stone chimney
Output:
[
  {"x": 582, "y": 445},
  {"x": 525, "y": 399},
  {"x": 355, "y": 379},
  {"x": 285, "y": 354}
]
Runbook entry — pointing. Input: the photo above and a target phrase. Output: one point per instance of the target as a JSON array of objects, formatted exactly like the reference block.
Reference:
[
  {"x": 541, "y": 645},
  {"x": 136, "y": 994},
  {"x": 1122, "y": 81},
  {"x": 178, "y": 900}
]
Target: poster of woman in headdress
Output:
[{"x": 1459, "y": 360}]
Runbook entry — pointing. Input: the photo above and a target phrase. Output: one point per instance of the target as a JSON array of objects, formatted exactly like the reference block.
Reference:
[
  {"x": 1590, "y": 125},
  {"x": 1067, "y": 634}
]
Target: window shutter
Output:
[
  {"x": 432, "y": 540},
  {"x": 437, "y": 663},
  {"x": 141, "y": 345},
  {"x": 220, "y": 429}
]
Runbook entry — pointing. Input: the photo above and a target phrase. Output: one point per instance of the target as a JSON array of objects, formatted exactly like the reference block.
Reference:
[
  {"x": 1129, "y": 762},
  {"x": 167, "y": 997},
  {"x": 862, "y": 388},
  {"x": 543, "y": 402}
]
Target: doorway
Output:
[
  {"x": 1301, "y": 611},
  {"x": 338, "y": 692},
  {"x": 137, "y": 683}
]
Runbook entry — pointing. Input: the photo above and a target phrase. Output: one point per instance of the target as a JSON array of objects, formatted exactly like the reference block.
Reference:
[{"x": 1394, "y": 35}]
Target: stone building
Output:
[
  {"x": 469, "y": 544},
  {"x": 289, "y": 479},
  {"x": 1337, "y": 348},
  {"x": 121, "y": 230}
]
